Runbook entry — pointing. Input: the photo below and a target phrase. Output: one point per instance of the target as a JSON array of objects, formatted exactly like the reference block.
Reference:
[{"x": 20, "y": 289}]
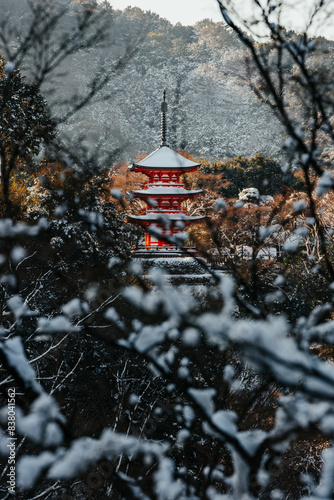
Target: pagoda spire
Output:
[{"x": 163, "y": 120}]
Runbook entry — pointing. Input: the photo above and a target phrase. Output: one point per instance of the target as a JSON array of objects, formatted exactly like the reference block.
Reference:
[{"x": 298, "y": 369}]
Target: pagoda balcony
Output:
[
  {"x": 150, "y": 185},
  {"x": 164, "y": 211},
  {"x": 164, "y": 184},
  {"x": 158, "y": 210}
]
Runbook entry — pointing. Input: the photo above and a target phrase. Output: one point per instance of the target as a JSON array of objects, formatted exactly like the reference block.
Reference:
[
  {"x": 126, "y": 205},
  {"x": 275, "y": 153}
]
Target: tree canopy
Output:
[{"x": 25, "y": 124}]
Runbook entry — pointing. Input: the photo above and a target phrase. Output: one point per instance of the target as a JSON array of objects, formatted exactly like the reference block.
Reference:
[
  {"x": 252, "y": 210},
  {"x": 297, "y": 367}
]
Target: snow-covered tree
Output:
[{"x": 24, "y": 124}]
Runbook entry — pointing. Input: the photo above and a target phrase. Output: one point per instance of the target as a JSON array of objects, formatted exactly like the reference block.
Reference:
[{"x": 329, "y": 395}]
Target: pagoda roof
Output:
[
  {"x": 159, "y": 217},
  {"x": 165, "y": 157},
  {"x": 167, "y": 191}
]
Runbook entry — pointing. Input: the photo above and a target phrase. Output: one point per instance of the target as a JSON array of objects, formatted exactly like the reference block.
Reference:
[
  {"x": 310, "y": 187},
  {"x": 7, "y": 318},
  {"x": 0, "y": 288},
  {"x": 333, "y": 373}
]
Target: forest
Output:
[{"x": 114, "y": 382}]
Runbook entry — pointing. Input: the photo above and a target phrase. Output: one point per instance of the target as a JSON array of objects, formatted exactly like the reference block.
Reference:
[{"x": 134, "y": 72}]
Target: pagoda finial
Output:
[{"x": 163, "y": 120}]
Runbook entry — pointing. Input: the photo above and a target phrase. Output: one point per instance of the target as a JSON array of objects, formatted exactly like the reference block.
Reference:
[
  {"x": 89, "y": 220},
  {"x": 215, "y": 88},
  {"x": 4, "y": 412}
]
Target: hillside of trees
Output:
[
  {"x": 115, "y": 384},
  {"x": 212, "y": 111}
]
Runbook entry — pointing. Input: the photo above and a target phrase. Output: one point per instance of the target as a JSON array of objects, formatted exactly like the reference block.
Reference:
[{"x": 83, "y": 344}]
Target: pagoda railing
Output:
[{"x": 168, "y": 251}]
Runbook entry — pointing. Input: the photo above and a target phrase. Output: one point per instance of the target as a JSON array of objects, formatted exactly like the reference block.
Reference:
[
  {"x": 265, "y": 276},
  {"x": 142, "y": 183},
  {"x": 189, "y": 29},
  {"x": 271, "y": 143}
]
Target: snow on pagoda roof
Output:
[
  {"x": 158, "y": 217},
  {"x": 164, "y": 157},
  {"x": 167, "y": 191}
]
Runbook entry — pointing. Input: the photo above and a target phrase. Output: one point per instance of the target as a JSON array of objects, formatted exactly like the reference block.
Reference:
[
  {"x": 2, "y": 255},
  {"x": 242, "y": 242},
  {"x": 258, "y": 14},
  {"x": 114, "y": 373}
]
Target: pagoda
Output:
[{"x": 165, "y": 216}]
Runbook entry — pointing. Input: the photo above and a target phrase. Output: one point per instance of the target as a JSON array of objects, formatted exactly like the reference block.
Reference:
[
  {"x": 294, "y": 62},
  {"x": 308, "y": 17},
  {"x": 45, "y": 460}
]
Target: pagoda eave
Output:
[
  {"x": 164, "y": 218},
  {"x": 150, "y": 194},
  {"x": 146, "y": 169}
]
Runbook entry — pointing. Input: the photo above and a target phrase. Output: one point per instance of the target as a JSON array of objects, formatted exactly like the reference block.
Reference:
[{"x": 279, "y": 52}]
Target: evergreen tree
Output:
[
  {"x": 264, "y": 174},
  {"x": 25, "y": 123}
]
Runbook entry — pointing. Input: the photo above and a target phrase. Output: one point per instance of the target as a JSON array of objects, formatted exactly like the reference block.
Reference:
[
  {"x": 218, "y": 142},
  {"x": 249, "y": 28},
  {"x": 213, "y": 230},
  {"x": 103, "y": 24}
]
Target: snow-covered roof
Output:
[
  {"x": 159, "y": 217},
  {"x": 167, "y": 191},
  {"x": 165, "y": 157}
]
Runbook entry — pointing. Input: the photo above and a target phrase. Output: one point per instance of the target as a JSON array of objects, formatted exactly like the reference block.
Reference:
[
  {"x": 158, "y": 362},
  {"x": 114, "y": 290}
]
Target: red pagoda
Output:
[{"x": 165, "y": 217}]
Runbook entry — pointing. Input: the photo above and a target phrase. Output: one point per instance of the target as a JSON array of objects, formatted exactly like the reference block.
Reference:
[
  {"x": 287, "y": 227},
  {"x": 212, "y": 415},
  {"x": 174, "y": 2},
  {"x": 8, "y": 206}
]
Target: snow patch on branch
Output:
[
  {"x": 85, "y": 452},
  {"x": 325, "y": 183},
  {"x": 58, "y": 324},
  {"x": 204, "y": 399},
  {"x": 13, "y": 351}
]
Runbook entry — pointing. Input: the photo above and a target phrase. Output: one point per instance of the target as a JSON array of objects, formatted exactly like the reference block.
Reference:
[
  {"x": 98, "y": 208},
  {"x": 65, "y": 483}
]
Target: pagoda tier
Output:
[
  {"x": 165, "y": 165},
  {"x": 168, "y": 199},
  {"x": 164, "y": 193}
]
